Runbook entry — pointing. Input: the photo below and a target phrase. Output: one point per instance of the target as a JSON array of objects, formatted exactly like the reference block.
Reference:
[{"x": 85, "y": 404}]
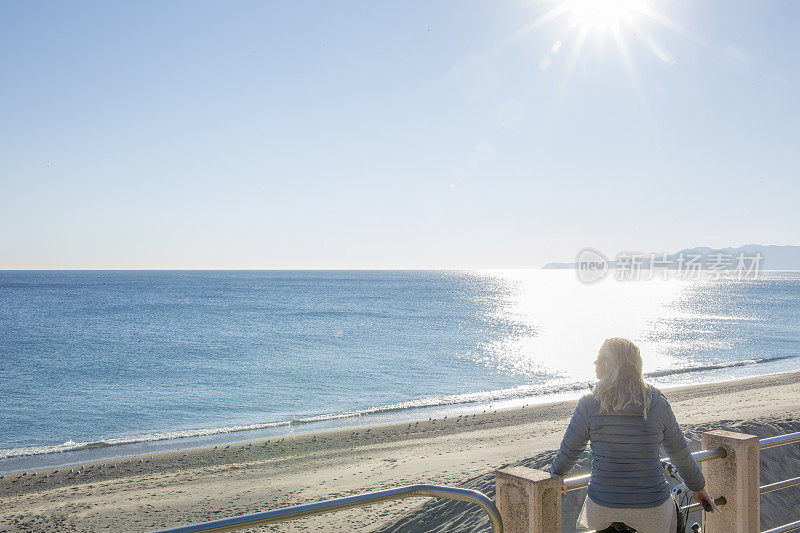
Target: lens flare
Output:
[{"x": 600, "y": 14}]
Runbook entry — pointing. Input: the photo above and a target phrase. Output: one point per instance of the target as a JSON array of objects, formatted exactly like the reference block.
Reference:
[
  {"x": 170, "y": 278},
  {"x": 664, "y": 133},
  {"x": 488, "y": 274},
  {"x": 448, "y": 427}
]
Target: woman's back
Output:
[{"x": 625, "y": 446}]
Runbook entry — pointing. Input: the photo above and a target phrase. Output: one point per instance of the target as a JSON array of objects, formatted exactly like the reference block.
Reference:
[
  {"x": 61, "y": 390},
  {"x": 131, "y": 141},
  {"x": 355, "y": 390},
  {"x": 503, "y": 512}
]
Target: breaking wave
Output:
[{"x": 524, "y": 391}]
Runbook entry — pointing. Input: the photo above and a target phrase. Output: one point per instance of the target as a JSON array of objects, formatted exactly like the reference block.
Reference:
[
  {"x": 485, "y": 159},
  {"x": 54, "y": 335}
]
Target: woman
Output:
[{"x": 626, "y": 420}]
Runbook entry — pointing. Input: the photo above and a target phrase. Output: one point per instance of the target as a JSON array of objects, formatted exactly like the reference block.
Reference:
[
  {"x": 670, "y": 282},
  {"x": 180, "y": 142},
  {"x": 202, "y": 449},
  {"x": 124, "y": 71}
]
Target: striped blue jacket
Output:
[{"x": 626, "y": 467}]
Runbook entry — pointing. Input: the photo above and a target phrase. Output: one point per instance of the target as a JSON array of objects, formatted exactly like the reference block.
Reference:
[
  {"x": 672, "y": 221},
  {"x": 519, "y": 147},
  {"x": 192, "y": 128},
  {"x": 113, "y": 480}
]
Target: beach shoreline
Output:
[
  {"x": 71, "y": 453},
  {"x": 177, "y": 487}
]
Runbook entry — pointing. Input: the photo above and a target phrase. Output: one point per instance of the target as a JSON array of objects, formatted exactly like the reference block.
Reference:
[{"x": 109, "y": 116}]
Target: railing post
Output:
[
  {"x": 528, "y": 500},
  {"x": 737, "y": 478}
]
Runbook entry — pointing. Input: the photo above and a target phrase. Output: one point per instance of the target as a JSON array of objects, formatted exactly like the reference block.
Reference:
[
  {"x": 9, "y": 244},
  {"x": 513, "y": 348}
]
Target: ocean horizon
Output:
[{"x": 100, "y": 364}]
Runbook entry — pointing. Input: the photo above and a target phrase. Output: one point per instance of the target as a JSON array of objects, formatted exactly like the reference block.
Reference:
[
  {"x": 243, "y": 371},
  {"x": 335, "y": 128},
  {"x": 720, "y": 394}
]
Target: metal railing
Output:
[
  {"x": 794, "y": 526},
  {"x": 779, "y": 440},
  {"x": 338, "y": 504},
  {"x": 455, "y": 493},
  {"x": 780, "y": 485},
  {"x": 771, "y": 442}
]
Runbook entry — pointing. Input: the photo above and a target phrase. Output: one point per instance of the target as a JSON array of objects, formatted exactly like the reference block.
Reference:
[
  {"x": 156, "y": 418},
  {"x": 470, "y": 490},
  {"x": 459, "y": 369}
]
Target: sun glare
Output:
[
  {"x": 591, "y": 22},
  {"x": 599, "y": 14}
]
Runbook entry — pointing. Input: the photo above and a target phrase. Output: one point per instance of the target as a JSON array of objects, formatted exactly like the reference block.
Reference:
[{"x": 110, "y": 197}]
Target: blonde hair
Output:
[{"x": 623, "y": 383}]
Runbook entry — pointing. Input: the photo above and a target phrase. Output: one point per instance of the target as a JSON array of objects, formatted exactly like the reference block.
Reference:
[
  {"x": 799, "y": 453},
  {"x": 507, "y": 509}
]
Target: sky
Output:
[{"x": 397, "y": 134}]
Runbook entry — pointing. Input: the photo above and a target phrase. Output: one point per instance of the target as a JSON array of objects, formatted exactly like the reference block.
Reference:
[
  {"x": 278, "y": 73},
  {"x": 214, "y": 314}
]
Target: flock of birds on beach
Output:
[
  {"x": 75, "y": 471},
  {"x": 87, "y": 469}
]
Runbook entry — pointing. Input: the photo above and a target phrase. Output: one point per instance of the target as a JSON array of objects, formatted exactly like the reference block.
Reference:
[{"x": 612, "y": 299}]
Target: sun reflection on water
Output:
[{"x": 567, "y": 321}]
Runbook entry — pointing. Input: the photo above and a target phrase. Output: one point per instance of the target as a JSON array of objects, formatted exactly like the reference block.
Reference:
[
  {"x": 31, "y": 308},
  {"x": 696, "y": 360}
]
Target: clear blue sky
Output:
[{"x": 405, "y": 134}]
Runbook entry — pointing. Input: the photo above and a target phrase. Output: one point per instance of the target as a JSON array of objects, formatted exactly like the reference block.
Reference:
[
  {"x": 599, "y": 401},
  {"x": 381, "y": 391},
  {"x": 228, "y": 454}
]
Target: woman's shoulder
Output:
[
  {"x": 658, "y": 402},
  {"x": 589, "y": 401},
  {"x": 656, "y": 396}
]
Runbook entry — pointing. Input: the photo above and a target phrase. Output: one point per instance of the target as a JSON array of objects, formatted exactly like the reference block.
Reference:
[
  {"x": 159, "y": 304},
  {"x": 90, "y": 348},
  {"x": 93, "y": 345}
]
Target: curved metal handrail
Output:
[
  {"x": 455, "y": 493},
  {"x": 337, "y": 504}
]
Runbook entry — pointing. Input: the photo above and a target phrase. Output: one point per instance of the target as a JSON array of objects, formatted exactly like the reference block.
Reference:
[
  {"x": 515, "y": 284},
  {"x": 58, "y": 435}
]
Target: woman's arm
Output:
[
  {"x": 675, "y": 445},
  {"x": 573, "y": 443}
]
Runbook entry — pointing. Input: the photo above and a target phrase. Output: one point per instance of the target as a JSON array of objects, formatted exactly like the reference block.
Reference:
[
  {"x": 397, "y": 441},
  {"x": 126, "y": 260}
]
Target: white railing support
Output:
[
  {"x": 528, "y": 500},
  {"x": 736, "y": 476}
]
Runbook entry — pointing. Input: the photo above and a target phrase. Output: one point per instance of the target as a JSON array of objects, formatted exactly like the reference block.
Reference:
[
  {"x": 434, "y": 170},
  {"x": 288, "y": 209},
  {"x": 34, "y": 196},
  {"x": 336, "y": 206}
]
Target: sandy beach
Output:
[
  {"x": 174, "y": 488},
  {"x": 260, "y": 255}
]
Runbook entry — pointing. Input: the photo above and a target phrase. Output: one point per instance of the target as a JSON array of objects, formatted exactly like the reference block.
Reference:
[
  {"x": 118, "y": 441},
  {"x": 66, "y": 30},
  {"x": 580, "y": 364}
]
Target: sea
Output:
[{"x": 102, "y": 364}]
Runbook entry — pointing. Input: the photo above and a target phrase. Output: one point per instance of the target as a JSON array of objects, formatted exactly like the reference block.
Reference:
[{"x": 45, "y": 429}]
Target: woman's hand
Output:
[{"x": 702, "y": 496}]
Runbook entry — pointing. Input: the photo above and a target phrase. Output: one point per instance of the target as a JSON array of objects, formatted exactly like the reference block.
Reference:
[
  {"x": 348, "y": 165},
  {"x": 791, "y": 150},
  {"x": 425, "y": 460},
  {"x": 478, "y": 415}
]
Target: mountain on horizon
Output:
[{"x": 773, "y": 257}]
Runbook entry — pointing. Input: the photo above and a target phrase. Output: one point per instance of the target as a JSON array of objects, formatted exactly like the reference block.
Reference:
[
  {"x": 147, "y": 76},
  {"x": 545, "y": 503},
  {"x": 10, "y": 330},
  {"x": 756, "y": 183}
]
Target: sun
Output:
[
  {"x": 600, "y": 14},
  {"x": 587, "y": 23},
  {"x": 592, "y": 22}
]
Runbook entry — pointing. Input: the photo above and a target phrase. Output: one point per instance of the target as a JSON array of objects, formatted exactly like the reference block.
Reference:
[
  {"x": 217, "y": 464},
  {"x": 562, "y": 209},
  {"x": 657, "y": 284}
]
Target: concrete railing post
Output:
[
  {"x": 737, "y": 478},
  {"x": 529, "y": 501}
]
